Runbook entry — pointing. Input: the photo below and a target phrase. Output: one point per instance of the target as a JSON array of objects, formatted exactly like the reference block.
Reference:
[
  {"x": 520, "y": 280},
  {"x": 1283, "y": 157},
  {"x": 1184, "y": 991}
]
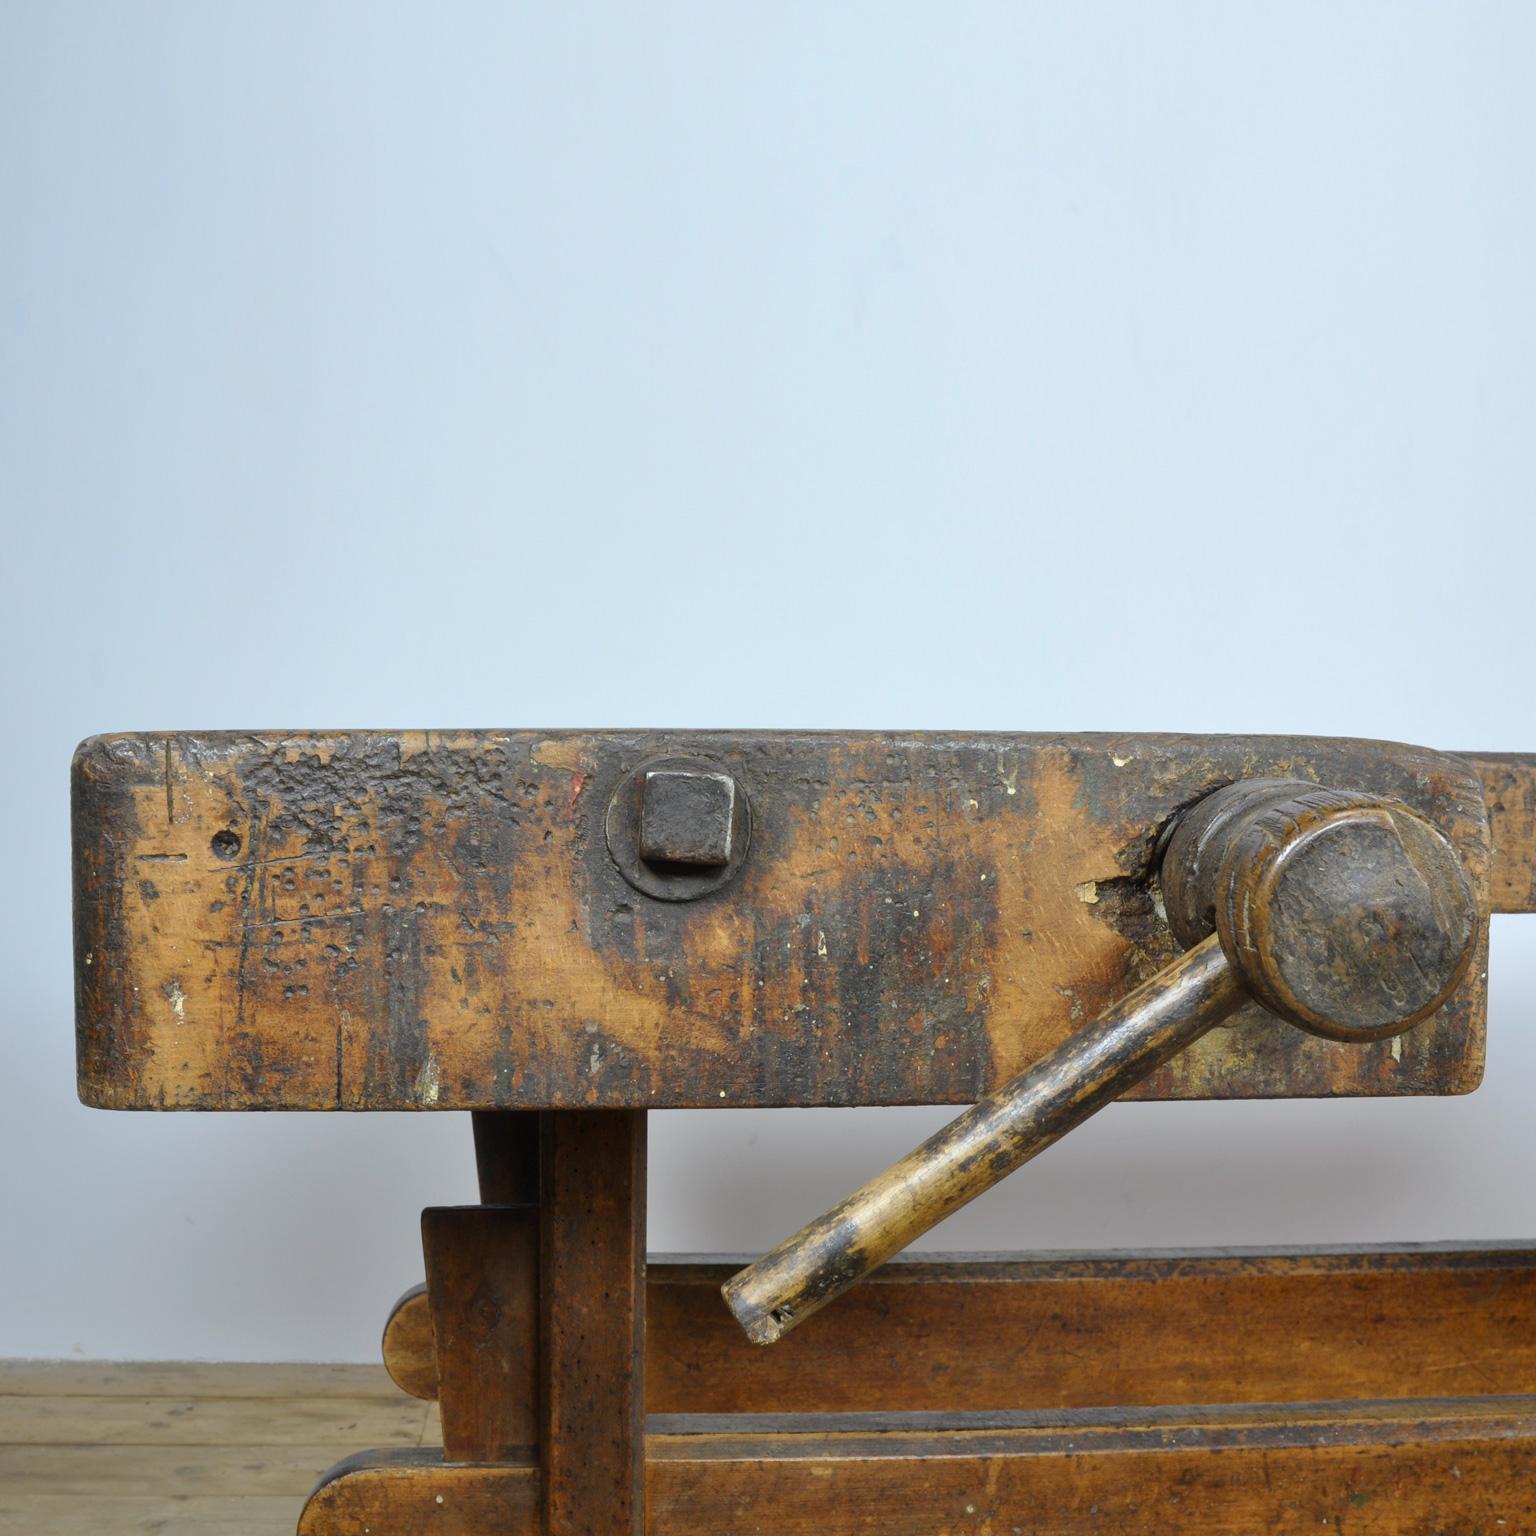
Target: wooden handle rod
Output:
[
  {"x": 1347, "y": 915},
  {"x": 986, "y": 1143}
]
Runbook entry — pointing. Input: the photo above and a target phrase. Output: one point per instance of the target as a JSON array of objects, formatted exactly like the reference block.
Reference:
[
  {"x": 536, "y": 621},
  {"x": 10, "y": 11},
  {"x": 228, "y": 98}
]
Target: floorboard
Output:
[{"x": 88, "y": 1446}]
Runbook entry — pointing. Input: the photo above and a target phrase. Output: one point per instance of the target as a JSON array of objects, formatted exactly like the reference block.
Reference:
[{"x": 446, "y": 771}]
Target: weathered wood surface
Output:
[
  {"x": 991, "y": 1139},
  {"x": 1425, "y": 1468},
  {"x": 420, "y": 920},
  {"x": 1086, "y": 1332},
  {"x": 1346, "y": 915},
  {"x": 1509, "y": 788}
]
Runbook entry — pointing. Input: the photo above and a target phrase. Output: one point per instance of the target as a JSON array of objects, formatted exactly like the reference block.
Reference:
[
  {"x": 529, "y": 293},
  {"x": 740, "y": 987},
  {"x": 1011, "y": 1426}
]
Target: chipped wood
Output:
[
  {"x": 420, "y": 920},
  {"x": 1509, "y": 787},
  {"x": 986, "y": 1143}
]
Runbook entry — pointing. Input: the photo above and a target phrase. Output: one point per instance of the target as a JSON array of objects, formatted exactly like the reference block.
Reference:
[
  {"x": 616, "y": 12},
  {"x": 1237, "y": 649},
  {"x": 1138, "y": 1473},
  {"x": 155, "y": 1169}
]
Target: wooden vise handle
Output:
[{"x": 1344, "y": 914}]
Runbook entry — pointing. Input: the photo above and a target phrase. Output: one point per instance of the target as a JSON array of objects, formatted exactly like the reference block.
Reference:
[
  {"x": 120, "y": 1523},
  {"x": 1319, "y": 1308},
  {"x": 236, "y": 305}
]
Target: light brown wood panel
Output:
[
  {"x": 184, "y": 1379},
  {"x": 63, "y": 1514},
  {"x": 1061, "y": 1332},
  {"x": 32, "y": 1420},
  {"x": 422, "y": 920},
  {"x": 165, "y": 1466},
  {"x": 168, "y": 1471}
]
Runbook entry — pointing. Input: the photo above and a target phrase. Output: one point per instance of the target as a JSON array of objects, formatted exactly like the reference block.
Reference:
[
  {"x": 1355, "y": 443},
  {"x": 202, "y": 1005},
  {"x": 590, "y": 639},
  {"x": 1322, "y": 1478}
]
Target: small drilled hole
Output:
[{"x": 225, "y": 844}]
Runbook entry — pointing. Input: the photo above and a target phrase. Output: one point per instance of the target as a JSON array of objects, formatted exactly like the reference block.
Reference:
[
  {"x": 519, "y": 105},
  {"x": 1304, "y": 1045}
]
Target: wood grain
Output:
[
  {"x": 409, "y": 1346},
  {"x": 1167, "y": 1013},
  {"x": 238, "y": 1470},
  {"x": 1451, "y": 1468},
  {"x": 1345, "y": 915},
  {"x": 1426, "y": 1468},
  {"x": 1411, "y": 1469},
  {"x": 1102, "y": 1330},
  {"x": 377, "y": 1494},
  {"x": 184, "y": 1379},
  {"x": 208, "y": 1421},
  {"x": 421, "y": 920},
  {"x": 592, "y": 1330},
  {"x": 62, "y": 1514},
  {"x": 483, "y": 1289},
  {"x": 140, "y": 1447},
  {"x": 1509, "y": 789}
]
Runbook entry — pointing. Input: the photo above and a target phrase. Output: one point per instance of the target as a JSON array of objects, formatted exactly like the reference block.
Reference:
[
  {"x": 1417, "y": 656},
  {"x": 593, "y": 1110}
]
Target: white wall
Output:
[{"x": 1010, "y": 367}]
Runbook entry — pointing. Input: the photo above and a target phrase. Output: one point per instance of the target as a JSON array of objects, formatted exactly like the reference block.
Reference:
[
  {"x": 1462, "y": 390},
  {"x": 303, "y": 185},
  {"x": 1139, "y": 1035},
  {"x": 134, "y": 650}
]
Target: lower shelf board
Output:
[
  {"x": 233, "y": 1450},
  {"x": 1416, "y": 1468}
]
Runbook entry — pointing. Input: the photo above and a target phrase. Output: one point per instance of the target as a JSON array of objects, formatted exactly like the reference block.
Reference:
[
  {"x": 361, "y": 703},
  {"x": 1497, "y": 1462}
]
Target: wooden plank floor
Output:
[{"x": 181, "y": 1449}]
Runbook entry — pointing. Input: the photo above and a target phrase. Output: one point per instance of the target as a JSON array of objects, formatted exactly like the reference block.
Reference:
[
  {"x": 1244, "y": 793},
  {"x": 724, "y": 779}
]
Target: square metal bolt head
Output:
[{"x": 687, "y": 816}]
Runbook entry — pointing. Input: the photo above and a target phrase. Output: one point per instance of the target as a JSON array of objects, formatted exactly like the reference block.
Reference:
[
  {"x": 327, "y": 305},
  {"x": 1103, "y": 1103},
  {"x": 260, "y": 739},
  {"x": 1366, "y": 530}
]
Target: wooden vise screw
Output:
[{"x": 1345, "y": 914}]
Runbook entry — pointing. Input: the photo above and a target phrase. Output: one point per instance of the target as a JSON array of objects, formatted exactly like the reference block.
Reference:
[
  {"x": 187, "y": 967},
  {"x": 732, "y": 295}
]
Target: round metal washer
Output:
[{"x": 671, "y": 882}]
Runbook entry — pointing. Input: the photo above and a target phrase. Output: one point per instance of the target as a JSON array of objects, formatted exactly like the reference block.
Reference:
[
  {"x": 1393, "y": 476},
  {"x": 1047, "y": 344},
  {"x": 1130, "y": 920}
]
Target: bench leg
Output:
[
  {"x": 592, "y": 1315},
  {"x": 536, "y": 1301}
]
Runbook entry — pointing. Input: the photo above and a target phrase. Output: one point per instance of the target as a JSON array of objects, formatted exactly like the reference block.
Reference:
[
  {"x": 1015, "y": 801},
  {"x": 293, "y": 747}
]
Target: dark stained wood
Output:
[
  {"x": 1345, "y": 914},
  {"x": 483, "y": 1268},
  {"x": 1092, "y": 1331},
  {"x": 507, "y": 1156},
  {"x": 483, "y": 1290},
  {"x": 592, "y": 1291},
  {"x": 1422, "y": 1468},
  {"x": 420, "y": 920}
]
